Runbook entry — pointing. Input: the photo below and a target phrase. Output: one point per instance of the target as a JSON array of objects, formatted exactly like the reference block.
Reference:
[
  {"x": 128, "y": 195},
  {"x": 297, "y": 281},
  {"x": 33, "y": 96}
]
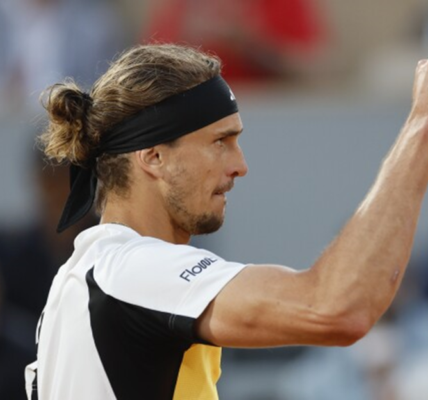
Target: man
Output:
[{"x": 136, "y": 312}]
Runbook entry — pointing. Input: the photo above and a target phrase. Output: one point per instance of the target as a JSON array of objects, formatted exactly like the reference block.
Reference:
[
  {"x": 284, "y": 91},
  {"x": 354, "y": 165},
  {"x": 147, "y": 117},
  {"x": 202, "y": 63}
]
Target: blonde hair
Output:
[{"x": 142, "y": 76}]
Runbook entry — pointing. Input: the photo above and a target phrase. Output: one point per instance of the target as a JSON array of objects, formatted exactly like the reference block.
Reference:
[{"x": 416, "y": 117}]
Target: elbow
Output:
[
  {"x": 345, "y": 324},
  {"x": 339, "y": 327},
  {"x": 347, "y": 330},
  {"x": 352, "y": 332}
]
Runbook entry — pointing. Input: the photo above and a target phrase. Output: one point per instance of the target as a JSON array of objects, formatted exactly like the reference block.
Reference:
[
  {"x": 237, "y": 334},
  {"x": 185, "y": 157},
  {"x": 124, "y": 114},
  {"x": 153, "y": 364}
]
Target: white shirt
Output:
[{"x": 121, "y": 309}]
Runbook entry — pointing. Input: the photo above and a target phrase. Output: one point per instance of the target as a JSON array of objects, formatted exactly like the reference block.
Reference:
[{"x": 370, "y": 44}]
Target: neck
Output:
[{"x": 143, "y": 219}]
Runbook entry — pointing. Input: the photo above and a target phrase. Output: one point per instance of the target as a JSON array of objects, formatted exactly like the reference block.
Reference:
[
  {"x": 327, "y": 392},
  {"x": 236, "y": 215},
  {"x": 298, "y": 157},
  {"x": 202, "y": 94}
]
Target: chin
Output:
[{"x": 207, "y": 224}]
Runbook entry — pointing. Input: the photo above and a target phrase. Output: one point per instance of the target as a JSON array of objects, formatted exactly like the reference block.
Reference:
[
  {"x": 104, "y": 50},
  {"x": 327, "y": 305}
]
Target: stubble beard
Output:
[{"x": 194, "y": 224}]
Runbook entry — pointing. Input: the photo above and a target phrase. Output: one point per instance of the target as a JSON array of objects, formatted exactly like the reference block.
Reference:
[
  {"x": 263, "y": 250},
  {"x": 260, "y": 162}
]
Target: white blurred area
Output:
[{"x": 313, "y": 142}]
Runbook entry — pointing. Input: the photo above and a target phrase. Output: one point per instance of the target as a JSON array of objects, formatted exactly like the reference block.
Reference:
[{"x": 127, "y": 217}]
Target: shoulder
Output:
[
  {"x": 152, "y": 273},
  {"x": 153, "y": 253}
]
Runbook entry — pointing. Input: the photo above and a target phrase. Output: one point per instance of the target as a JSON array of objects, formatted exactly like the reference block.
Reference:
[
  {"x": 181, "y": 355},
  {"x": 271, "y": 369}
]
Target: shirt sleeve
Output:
[{"x": 175, "y": 281}]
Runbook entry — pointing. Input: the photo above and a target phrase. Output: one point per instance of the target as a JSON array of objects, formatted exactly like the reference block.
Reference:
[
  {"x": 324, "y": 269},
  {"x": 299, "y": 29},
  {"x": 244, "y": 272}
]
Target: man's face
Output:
[{"x": 201, "y": 168}]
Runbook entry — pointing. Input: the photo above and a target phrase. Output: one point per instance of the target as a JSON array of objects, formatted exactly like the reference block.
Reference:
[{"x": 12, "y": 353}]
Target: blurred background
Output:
[{"x": 324, "y": 87}]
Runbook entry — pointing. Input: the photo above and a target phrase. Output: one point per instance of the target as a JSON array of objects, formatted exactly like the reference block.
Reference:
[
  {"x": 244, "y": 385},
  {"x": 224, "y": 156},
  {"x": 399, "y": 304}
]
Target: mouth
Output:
[{"x": 222, "y": 190}]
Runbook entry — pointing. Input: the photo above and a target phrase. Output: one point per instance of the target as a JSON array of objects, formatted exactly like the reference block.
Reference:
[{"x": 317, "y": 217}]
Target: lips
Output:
[{"x": 224, "y": 188}]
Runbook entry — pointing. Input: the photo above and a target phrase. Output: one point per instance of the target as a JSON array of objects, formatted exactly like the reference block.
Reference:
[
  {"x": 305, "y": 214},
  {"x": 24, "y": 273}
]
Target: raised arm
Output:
[{"x": 352, "y": 284}]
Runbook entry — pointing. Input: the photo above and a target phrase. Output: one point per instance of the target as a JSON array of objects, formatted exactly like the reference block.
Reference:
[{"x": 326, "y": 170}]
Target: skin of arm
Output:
[{"x": 337, "y": 300}]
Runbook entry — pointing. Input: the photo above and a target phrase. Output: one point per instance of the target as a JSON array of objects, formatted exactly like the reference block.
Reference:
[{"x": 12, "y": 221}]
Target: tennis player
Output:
[{"x": 137, "y": 313}]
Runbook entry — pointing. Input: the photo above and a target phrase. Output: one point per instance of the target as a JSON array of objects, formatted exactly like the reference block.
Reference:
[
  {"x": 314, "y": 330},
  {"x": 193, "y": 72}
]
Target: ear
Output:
[{"x": 150, "y": 161}]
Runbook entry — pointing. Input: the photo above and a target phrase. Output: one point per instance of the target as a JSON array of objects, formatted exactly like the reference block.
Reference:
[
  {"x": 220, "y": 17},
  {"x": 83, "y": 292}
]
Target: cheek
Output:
[
  {"x": 185, "y": 181},
  {"x": 200, "y": 185},
  {"x": 198, "y": 172}
]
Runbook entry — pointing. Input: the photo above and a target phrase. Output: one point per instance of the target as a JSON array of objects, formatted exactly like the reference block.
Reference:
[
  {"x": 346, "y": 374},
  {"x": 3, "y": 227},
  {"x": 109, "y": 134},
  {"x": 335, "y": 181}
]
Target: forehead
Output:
[
  {"x": 227, "y": 126},
  {"x": 230, "y": 125}
]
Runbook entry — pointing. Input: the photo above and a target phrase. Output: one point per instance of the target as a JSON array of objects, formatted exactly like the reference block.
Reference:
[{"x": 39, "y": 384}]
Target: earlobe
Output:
[{"x": 149, "y": 160}]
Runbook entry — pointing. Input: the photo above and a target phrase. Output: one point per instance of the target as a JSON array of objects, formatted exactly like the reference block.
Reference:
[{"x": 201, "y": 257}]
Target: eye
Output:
[{"x": 220, "y": 141}]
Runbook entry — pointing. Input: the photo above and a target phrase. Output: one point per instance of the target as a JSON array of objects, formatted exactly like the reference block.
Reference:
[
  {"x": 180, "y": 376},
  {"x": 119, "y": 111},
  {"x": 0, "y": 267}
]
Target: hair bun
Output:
[
  {"x": 87, "y": 97},
  {"x": 69, "y": 134}
]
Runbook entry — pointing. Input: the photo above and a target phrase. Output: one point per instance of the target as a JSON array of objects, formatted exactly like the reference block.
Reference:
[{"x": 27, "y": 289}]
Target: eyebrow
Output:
[{"x": 229, "y": 132}]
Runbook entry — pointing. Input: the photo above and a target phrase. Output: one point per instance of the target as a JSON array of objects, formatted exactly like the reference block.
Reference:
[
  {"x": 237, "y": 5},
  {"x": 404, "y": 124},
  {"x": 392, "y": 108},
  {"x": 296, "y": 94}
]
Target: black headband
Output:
[{"x": 163, "y": 122}]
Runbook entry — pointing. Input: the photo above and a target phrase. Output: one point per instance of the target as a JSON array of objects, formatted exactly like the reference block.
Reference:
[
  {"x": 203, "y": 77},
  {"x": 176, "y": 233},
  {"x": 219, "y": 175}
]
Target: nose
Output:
[{"x": 239, "y": 165}]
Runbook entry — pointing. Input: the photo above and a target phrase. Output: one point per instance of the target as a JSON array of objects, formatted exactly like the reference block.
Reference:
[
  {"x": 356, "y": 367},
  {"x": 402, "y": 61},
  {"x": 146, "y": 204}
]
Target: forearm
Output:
[
  {"x": 361, "y": 271},
  {"x": 337, "y": 300}
]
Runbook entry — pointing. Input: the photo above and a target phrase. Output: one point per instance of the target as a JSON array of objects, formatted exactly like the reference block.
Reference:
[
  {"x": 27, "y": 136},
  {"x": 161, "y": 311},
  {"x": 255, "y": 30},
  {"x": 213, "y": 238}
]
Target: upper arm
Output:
[{"x": 273, "y": 306}]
